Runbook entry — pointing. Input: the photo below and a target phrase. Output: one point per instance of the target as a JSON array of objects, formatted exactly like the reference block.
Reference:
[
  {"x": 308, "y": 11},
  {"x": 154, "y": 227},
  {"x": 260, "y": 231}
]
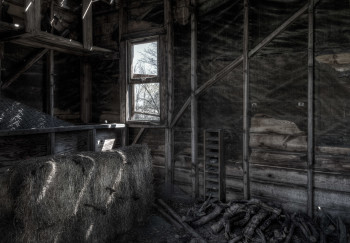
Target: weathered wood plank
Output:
[
  {"x": 194, "y": 101},
  {"x": 22, "y": 147},
  {"x": 71, "y": 142},
  {"x": 24, "y": 68},
  {"x": 223, "y": 72},
  {"x": 85, "y": 91},
  {"x": 311, "y": 115},
  {"x": 87, "y": 24},
  {"x": 60, "y": 129},
  {"x": 138, "y": 136},
  {"x": 246, "y": 103}
]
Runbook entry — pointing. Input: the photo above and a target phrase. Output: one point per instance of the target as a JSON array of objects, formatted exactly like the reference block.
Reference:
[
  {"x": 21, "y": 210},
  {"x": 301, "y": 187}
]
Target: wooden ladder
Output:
[{"x": 214, "y": 165}]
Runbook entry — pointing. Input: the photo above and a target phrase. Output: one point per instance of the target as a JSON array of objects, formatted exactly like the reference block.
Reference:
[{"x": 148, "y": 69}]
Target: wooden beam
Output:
[
  {"x": 123, "y": 68},
  {"x": 92, "y": 140},
  {"x": 86, "y": 72},
  {"x": 181, "y": 111},
  {"x": 194, "y": 103},
  {"x": 51, "y": 143},
  {"x": 24, "y": 68},
  {"x": 32, "y": 11},
  {"x": 4, "y": 133},
  {"x": 246, "y": 182},
  {"x": 311, "y": 116},
  {"x": 85, "y": 91},
  {"x": 1, "y": 58},
  {"x": 223, "y": 72},
  {"x": 138, "y": 136},
  {"x": 58, "y": 43},
  {"x": 169, "y": 133},
  {"x": 87, "y": 24}
]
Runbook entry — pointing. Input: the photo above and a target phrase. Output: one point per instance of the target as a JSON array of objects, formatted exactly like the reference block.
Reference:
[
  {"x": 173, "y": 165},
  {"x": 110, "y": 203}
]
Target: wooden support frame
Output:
[
  {"x": 51, "y": 143},
  {"x": 169, "y": 133},
  {"x": 32, "y": 9},
  {"x": 85, "y": 91},
  {"x": 92, "y": 140},
  {"x": 246, "y": 181},
  {"x": 123, "y": 68},
  {"x": 24, "y": 68},
  {"x": 310, "y": 128},
  {"x": 87, "y": 24},
  {"x": 223, "y": 72},
  {"x": 1, "y": 57},
  {"x": 139, "y": 135},
  {"x": 194, "y": 103}
]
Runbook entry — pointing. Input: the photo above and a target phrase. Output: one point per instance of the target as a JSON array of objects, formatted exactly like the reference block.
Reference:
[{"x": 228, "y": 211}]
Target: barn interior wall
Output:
[{"x": 278, "y": 90}]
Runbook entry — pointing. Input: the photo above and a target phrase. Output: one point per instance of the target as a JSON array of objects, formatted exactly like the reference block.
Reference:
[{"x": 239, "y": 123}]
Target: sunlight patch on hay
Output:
[
  {"x": 87, "y": 182},
  {"x": 87, "y": 197},
  {"x": 88, "y": 232},
  {"x": 123, "y": 156},
  {"x": 48, "y": 181},
  {"x": 115, "y": 187}
]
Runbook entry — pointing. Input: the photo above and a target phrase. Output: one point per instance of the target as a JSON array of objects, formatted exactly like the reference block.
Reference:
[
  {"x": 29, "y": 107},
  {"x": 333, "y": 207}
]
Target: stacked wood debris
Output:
[{"x": 256, "y": 221}]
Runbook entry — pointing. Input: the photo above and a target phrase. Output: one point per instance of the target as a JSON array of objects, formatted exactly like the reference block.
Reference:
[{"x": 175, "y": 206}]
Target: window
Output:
[{"x": 143, "y": 81}]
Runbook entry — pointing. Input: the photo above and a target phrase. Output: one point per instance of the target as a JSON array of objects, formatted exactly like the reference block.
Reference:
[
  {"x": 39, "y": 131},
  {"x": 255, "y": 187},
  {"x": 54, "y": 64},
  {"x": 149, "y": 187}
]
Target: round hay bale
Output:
[{"x": 88, "y": 197}]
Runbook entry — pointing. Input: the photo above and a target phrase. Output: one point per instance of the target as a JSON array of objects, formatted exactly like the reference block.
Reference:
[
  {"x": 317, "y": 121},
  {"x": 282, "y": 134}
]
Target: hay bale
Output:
[{"x": 88, "y": 197}]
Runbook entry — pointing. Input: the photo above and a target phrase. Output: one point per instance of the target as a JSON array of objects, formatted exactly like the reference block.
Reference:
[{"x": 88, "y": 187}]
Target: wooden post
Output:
[
  {"x": 86, "y": 73},
  {"x": 231, "y": 66},
  {"x": 51, "y": 87},
  {"x": 123, "y": 68},
  {"x": 32, "y": 11},
  {"x": 92, "y": 140},
  {"x": 87, "y": 24},
  {"x": 169, "y": 133},
  {"x": 194, "y": 112},
  {"x": 310, "y": 139},
  {"x": 1, "y": 57},
  {"x": 246, "y": 182},
  {"x": 85, "y": 91},
  {"x": 51, "y": 143}
]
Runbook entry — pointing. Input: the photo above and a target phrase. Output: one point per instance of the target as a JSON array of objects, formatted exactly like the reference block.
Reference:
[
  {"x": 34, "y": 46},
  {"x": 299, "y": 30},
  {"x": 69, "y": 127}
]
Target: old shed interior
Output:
[{"x": 175, "y": 121}]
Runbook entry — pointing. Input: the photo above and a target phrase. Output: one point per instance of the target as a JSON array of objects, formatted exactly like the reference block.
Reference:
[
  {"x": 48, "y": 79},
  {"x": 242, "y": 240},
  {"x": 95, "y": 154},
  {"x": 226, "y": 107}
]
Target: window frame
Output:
[{"x": 130, "y": 82}]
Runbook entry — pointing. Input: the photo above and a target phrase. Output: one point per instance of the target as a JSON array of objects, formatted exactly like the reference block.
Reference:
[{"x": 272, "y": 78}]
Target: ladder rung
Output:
[
  {"x": 214, "y": 155},
  {"x": 216, "y": 147},
  {"x": 216, "y": 139}
]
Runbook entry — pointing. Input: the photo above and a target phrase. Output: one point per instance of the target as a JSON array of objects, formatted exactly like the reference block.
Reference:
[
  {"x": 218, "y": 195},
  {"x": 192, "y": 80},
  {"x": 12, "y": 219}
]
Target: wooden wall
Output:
[{"x": 278, "y": 90}]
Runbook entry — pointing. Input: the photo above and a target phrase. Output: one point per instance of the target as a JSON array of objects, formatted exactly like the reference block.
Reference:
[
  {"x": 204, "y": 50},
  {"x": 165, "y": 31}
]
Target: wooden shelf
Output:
[
  {"x": 58, "y": 43},
  {"x": 41, "y": 39}
]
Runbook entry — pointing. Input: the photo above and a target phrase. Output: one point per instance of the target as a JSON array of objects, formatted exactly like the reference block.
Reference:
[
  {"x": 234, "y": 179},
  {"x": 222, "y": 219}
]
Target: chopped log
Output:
[
  {"x": 230, "y": 212},
  {"x": 205, "y": 204},
  {"x": 268, "y": 222},
  {"x": 248, "y": 214},
  {"x": 215, "y": 213},
  {"x": 265, "y": 206},
  {"x": 178, "y": 218},
  {"x": 290, "y": 234},
  {"x": 236, "y": 239},
  {"x": 261, "y": 235},
  {"x": 300, "y": 222},
  {"x": 227, "y": 225},
  {"x": 249, "y": 230},
  {"x": 342, "y": 231},
  {"x": 218, "y": 226}
]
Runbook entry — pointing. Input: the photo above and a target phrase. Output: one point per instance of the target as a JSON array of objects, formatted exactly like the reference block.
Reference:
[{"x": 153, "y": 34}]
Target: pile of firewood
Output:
[{"x": 256, "y": 221}]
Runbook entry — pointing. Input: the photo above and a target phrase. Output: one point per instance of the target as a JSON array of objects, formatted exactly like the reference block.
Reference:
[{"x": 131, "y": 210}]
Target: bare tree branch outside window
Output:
[{"x": 146, "y": 95}]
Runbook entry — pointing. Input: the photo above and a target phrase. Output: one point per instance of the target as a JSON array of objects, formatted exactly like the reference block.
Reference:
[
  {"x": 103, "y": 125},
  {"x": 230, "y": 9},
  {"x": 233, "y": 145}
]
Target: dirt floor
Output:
[{"x": 159, "y": 230}]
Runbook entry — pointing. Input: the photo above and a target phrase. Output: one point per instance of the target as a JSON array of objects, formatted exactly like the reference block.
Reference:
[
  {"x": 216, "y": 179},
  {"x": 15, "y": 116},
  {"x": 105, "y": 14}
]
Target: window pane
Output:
[
  {"x": 144, "y": 60},
  {"x": 146, "y": 101}
]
